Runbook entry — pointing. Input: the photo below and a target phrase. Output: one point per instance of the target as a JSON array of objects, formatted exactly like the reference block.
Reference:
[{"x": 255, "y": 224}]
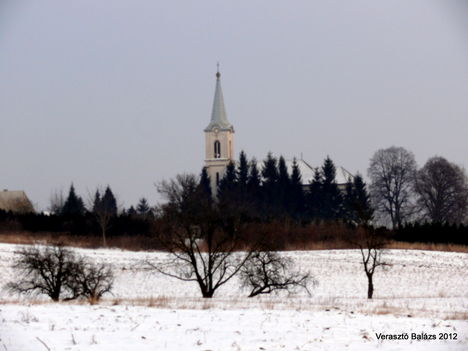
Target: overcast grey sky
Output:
[{"x": 119, "y": 92}]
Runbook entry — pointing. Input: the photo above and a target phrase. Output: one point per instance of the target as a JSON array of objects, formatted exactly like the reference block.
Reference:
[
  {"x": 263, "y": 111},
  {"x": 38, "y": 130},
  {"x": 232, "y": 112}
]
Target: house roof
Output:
[
  {"x": 218, "y": 114},
  {"x": 15, "y": 201},
  {"x": 307, "y": 172}
]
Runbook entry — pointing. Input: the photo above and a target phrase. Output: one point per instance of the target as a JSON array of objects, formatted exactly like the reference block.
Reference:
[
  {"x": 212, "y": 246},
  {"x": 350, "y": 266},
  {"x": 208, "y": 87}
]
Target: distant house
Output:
[
  {"x": 307, "y": 173},
  {"x": 15, "y": 201}
]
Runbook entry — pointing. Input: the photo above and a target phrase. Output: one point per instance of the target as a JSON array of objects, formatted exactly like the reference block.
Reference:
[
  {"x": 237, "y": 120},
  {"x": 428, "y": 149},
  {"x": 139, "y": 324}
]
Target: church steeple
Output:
[
  {"x": 219, "y": 139},
  {"x": 218, "y": 113}
]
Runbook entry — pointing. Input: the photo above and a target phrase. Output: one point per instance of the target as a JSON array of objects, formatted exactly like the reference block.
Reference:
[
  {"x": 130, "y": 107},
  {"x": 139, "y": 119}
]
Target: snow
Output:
[{"x": 419, "y": 292}]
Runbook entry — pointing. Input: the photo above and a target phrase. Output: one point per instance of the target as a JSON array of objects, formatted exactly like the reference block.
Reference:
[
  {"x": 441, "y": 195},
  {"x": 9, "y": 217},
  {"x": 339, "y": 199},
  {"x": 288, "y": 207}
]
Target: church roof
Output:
[
  {"x": 218, "y": 115},
  {"x": 15, "y": 201},
  {"x": 307, "y": 172}
]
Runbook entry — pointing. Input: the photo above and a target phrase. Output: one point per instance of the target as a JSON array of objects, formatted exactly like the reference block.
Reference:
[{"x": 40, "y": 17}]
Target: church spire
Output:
[{"x": 218, "y": 114}]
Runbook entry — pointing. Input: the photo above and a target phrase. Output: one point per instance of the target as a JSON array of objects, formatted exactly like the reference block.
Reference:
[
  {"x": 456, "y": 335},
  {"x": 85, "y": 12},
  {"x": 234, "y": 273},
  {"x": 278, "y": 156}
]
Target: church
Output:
[{"x": 219, "y": 147}]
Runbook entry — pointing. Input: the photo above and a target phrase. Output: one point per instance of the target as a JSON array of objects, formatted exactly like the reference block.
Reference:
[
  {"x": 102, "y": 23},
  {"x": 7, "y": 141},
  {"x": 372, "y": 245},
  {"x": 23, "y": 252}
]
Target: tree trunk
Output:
[
  {"x": 55, "y": 295},
  {"x": 208, "y": 294},
  {"x": 104, "y": 241},
  {"x": 370, "y": 288}
]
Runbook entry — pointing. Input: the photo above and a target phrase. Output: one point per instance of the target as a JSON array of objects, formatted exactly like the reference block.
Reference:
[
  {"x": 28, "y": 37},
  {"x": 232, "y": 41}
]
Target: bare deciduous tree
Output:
[
  {"x": 58, "y": 273},
  {"x": 56, "y": 202},
  {"x": 92, "y": 280},
  {"x": 44, "y": 270},
  {"x": 267, "y": 271},
  {"x": 371, "y": 245},
  {"x": 392, "y": 174},
  {"x": 442, "y": 189},
  {"x": 201, "y": 242}
]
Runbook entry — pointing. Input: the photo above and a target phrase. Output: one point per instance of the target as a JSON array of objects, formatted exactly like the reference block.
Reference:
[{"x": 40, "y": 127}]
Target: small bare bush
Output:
[
  {"x": 267, "y": 271},
  {"x": 92, "y": 280}
]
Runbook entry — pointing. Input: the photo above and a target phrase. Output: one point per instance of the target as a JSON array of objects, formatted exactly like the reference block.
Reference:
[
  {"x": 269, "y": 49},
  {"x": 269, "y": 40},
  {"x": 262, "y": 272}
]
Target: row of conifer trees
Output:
[{"x": 273, "y": 192}]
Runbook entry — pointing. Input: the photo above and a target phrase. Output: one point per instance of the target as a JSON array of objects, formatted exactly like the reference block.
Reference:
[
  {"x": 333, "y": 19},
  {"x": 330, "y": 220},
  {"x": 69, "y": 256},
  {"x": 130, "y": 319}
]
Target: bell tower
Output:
[{"x": 219, "y": 139}]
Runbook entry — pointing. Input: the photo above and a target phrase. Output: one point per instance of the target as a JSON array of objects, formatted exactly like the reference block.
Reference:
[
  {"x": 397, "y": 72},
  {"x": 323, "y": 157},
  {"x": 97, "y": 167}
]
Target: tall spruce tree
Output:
[
  {"x": 332, "y": 205},
  {"x": 314, "y": 198},
  {"x": 296, "y": 192},
  {"x": 254, "y": 187},
  {"x": 227, "y": 189},
  {"x": 270, "y": 171},
  {"x": 362, "y": 204},
  {"x": 270, "y": 186},
  {"x": 96, "y": 201},
  {"x": 243, "y": 179},
  {"x": 73, "y": 204},
  {"x": 283, "y": 187},
  {"x": 143, "y": 207},
  {"x": 108, "y": 202},
  {"x": 205, "y": 183},
  {"x": 254, "y": 180},
  {"x": 243, "y": 171},
  {"x": 349, "y": 199},
  {"x": 131, "y": 211}
]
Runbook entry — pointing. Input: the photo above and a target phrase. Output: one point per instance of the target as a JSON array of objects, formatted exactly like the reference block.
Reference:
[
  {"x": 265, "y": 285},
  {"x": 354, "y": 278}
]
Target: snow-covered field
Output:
[{"x": 419, "y": 292}]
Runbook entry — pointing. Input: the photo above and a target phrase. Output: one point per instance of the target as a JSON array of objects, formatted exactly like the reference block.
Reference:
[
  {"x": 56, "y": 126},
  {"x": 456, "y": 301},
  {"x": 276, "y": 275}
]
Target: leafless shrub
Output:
[
  {"x": 92, "y": 280},
  {"x": 60, "y": 274},
  {"x": 268, "y": 271}
]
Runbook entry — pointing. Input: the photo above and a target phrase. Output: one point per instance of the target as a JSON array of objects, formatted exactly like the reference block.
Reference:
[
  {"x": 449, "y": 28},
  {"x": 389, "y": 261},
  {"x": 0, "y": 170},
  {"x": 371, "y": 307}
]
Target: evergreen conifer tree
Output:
[
  {"x": 143, "y": 208},
  {"x": 270, "y": 171},
  {"x": 362, "y": 204},
  {"x": 254, "y": 187},
  {"x": 243, "y": 171},
  {"x": 74, "y": 204},
  {"x": 205, "y": 183},
  {"x": 254, "y": 180},
  {"x": 331, "y": 195},
  {"x": 283, "y": 187},
  {"x": 314, "y": 197},
  {"x": 104, "y": 210},
  {"x": 227, "y": 189},
  {"x": 131, "y": 211},
  {"x": 97, "y": 201},
  {"x": 348, "y": 202},
  {"x": 245, "y": 197},
  {"x": 270, "y": 186},
  {"x": 296, "y": 191},
  {"x": 108, "y": 202}
]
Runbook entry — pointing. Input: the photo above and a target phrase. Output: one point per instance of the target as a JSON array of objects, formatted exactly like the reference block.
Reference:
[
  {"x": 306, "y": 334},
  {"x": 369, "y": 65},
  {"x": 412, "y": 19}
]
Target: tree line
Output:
[
  {"x": 399, "y": 196},
  {"x": 399, "y": 193},
  {"x": 273, "y": 192}
]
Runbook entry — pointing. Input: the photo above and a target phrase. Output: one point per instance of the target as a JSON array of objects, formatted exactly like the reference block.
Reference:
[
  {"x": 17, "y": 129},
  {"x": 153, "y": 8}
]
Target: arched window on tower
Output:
[
  {"x": 217, "y": 149},
  {"x": 217, "y": 178}
]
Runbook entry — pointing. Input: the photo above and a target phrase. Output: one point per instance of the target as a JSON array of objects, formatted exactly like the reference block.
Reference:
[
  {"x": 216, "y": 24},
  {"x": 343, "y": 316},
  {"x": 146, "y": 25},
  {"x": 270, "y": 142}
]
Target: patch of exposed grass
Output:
[
  {"x": 145, "y": 243},
  {"x": 427, "y": 246}
]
